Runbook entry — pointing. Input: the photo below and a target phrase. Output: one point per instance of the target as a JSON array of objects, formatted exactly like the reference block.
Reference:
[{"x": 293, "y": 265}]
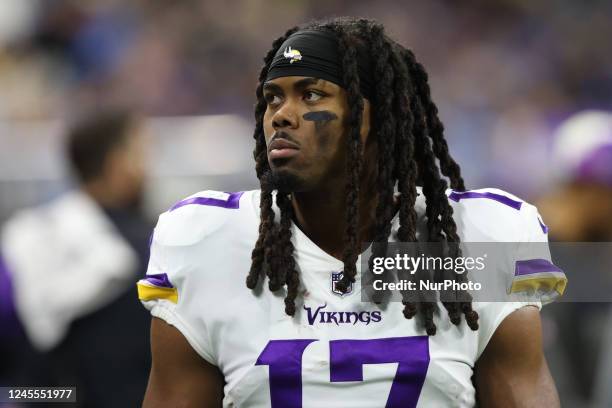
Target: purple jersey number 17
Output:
[{"x": 347, "y": 357}]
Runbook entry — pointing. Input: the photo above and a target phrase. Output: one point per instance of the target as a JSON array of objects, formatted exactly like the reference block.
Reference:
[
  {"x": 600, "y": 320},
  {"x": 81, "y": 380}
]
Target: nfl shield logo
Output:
[{"x": 335, "y": 278}]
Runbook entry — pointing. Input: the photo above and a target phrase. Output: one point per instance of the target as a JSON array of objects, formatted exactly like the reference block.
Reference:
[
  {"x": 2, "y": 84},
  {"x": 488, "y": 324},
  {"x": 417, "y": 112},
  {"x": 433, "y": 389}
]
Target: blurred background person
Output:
[
  {"x": 72, "y": 264},
  {"x": 578, "y": 208}
]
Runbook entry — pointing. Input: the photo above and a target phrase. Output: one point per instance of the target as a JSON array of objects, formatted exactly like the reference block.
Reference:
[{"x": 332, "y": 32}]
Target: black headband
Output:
[{"x": 314, "y": 53}]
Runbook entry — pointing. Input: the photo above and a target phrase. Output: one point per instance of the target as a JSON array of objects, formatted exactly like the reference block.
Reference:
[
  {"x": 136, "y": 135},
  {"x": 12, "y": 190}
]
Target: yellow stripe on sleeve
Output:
[
  {"x": 147, "y": 292},
  {"x": 549, "y": 283}
]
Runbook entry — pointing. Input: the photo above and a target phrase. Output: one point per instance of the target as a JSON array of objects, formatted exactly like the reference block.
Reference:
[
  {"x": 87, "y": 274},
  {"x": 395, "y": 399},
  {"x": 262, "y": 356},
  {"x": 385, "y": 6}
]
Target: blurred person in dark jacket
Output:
[{"x": 72, "y": 262}]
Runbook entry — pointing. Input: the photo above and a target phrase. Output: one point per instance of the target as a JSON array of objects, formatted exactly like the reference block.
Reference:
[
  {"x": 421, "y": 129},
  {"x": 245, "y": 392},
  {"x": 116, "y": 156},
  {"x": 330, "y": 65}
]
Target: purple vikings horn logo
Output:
[{"x": 335, "y": 278}]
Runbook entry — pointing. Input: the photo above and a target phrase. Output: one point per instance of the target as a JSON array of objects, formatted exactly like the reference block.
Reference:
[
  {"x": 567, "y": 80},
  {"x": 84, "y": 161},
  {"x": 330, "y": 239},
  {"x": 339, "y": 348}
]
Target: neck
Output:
[
  {"x": 103, "y": 195},
  {"x": 321, "y": 215}
]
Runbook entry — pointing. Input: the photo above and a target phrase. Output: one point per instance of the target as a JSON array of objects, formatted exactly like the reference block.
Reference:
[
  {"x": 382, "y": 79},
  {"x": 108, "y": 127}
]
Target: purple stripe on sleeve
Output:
[
  {"x": 543, "y": 226},
  {"x": 160, "y": 280},
  {"x": 460, "y": 195},
  {"x": 531, "y": 266},
  {"x": 232, "y": 202}
]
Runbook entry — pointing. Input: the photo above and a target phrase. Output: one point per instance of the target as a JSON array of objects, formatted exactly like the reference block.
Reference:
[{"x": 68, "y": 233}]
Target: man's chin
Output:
[{"x": 284, "y": 180}]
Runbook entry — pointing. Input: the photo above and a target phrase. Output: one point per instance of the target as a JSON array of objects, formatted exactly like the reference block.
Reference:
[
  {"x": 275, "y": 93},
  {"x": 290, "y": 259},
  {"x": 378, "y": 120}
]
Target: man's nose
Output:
[{"x": 285, "y": 116}]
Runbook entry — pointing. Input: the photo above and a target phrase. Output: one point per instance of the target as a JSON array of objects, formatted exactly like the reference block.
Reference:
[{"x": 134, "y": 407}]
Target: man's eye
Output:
[
  {"x": 272, "y": 99},
  {"x": 312, "y": 96}
]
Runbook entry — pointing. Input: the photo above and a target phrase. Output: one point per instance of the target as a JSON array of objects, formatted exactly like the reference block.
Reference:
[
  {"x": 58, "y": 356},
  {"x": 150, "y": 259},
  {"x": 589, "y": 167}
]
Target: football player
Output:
[{"x": 347, "y": 146}]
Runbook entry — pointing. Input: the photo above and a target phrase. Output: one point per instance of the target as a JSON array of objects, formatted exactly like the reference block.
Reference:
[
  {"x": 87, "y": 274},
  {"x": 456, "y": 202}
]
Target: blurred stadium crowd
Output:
[{"x": 505, "y": 74}]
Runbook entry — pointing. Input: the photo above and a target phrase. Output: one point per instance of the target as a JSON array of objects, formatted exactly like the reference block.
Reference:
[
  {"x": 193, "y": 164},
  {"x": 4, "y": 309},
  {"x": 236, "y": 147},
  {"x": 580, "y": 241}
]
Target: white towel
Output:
[{"x": 66, "y": 260}]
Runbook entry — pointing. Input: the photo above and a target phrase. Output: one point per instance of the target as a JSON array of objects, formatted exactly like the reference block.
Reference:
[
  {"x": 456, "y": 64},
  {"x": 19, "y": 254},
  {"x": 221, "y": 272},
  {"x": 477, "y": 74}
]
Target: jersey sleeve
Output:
[
  {"x": 534, "y": 274},
  {"x": 524, "y": 269},
  {"x": 176, "y": 275},
  {"x": 529, "y": 276}
]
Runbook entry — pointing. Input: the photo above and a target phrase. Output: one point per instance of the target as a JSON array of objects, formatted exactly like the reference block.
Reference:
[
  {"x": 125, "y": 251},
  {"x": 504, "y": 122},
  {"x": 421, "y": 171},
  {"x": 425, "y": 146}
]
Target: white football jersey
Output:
[{"x": 337, "y": 351}]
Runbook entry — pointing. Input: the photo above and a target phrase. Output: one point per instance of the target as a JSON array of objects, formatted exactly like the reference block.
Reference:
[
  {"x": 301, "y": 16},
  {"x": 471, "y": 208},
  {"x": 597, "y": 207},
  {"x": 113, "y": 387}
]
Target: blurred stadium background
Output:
[{"x": 504, "y": 74}]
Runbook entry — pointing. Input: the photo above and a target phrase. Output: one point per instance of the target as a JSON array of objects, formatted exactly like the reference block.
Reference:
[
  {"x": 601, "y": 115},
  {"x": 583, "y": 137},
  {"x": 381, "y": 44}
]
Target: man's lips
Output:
[{"x": 282, "y": 149}]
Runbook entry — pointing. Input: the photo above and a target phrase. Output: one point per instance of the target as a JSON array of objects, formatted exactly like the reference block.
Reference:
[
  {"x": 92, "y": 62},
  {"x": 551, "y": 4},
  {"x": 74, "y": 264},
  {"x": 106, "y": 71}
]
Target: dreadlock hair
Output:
[{"x": 411, "y": 143}]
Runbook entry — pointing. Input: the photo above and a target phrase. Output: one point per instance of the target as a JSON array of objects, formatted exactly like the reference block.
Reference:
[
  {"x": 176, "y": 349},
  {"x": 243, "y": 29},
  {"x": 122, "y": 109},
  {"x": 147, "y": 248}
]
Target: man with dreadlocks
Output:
[{"x": 344, "y": 118}]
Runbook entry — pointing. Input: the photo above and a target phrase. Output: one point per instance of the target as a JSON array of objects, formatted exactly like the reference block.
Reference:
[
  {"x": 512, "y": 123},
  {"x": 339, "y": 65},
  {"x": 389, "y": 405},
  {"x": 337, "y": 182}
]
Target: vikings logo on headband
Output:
[
  {"x": 314, "y": 53},
  {"x": 293, "y": 55}
]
